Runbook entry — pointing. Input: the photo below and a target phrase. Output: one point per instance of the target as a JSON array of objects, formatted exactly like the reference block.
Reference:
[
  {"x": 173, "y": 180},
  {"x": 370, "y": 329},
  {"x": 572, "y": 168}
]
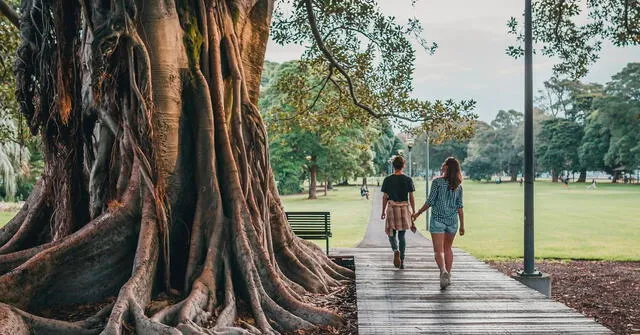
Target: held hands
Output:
[
  {"x": 415, "y": 216},
  {"x": 413, "y": 228}
]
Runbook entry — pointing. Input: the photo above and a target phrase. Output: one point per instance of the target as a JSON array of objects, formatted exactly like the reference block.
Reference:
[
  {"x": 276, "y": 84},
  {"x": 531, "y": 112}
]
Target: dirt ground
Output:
[{"x": 607, "y": 291}]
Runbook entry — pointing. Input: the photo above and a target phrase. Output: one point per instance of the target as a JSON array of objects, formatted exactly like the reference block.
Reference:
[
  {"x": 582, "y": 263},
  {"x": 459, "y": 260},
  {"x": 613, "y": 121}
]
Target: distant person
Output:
[
  {"x": 364, "y": 191},
  {"x": 593, "y": 185},
  {"x": 446, "y": 200},
  {"x": 565, "y": 182},
  {"x": 398, "y": 205},
  {"x": 520, "y": 181}
]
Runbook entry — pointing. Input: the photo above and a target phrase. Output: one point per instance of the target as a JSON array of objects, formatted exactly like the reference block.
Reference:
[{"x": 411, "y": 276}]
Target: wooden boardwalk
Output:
[{"x": 481, "y": 300}]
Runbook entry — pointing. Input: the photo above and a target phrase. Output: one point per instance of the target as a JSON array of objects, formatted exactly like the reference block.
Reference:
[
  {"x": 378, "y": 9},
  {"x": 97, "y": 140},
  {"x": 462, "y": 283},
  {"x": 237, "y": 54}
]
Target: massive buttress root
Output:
[{"x": 157, "y": 175}]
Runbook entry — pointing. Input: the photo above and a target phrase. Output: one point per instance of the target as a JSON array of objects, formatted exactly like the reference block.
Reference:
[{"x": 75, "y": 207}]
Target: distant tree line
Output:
[
  {"x": 20, "y": 155},
  {"x": 315, "y": 145},
  {"x": 578, "y": 127}
]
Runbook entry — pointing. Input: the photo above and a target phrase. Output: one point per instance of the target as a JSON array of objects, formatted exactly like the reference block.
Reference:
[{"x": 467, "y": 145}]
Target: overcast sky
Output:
[{"x": 470, "y": 62}]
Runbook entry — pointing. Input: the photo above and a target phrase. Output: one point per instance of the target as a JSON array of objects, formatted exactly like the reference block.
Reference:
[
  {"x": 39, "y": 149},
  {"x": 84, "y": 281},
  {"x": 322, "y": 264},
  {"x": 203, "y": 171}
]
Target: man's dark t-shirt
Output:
[{"x": 398, "y": 186}]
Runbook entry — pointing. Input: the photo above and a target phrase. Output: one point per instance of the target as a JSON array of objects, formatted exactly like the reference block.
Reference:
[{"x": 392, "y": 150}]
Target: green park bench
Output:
[{"x": 311, "y": 225}]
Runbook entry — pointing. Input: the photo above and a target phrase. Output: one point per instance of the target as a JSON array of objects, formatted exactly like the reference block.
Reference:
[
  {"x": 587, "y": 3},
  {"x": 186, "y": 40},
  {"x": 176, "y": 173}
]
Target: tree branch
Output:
[
  {"x": 324, "y": 84},
  {"x": 9, "y": 13},
  {"x": 334, "y": 62},
  {"x": 556, "y": 30},
  {"x": 329, "y": 56}
]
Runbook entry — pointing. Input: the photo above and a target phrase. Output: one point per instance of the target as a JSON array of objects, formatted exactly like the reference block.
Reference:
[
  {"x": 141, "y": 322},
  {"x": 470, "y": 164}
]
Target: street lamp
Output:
[
  {"x": 426, "y": 179},
  {"x": 409, "y": 146}
]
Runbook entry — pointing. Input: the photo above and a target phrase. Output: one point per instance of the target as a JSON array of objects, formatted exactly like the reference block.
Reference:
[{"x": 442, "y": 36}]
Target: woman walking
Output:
[
  {"x": 398, "y": 205},
  {"x": 445, "y": 200}
]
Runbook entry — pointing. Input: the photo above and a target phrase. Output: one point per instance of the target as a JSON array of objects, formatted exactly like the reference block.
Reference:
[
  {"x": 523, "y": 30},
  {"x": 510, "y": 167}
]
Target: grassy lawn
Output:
[
  {"x": 574, "y": 223},
  {"x": 349, "y": 213},
  {"x": 5, "y": 217},
  {"x": 579, "y": 224}
]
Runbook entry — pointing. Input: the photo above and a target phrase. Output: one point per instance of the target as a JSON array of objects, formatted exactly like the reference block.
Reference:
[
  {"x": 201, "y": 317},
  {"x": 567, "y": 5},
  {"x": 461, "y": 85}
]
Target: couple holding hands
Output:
[{"x": 445, "y": 201}]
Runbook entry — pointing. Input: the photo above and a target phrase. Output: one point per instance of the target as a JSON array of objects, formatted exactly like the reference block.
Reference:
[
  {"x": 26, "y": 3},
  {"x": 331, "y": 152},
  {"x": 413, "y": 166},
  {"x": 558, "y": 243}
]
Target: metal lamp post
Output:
[
  {"x": 426, "y": 179},
  {"x": 529, "y": 257},
  {"x": 409, "y": 146}
]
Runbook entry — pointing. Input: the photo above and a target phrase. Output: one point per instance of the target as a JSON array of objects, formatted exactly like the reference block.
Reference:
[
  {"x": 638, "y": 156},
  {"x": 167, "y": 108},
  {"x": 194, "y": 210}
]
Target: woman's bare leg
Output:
[
  {"x": 438, "y": 249},
  {"x": 448, "y": 253}
]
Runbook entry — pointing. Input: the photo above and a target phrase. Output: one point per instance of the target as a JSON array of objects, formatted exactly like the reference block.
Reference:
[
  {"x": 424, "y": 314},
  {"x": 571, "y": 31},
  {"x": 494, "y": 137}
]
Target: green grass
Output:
[
  {"x": 575, "y": 223},
  {"x": 5, "y": 217},
  {"x": 349, "y": 213}
]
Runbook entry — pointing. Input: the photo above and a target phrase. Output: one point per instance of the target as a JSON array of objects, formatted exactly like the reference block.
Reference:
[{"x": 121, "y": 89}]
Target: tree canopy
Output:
[{"x": 575, "y": 30}]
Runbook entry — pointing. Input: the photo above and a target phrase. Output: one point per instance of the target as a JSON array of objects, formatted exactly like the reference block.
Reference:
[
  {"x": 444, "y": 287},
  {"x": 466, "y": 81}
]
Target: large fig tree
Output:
[{"x": 157, "y": 175}]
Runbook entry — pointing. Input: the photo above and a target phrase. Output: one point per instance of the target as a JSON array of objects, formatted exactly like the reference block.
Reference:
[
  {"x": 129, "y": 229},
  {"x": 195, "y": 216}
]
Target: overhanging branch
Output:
[
  {"x": 9, "y": 13},
  {"x": 334, "y": 62}
]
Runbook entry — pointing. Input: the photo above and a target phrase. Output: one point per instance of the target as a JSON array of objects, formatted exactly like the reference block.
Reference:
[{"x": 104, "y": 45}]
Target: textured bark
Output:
[
  {"x": 313, "y": 181},
  {"x": 157, "y": 177},
  {"x": 514, "y": 174},
  {"x": 582, "y": 178}
]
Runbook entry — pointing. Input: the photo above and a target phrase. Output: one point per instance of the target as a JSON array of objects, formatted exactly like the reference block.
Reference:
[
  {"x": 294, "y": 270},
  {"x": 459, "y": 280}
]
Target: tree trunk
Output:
[
  {"x": 554, "y": 176},
  {"x": 364, "y": 181},
  {"x": 313, "y": 181},
  {"x": 582, "y": 178},
  {"x": 330, "y": 183},
  {"x": 514, "y": 174},
  {"x": 325, "y": 188},
  {"x": 615, "y": 177},
  {"x": 157, "y": 176}
]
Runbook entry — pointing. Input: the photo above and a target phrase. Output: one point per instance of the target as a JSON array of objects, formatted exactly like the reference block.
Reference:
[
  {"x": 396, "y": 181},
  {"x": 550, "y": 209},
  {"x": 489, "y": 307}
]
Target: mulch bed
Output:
[
  {"x": 343, "y": 302},
  {"x": 608, "y": 292}
]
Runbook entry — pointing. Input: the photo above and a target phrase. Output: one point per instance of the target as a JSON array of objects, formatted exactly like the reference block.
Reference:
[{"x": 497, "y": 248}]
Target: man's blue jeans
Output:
[{"x": 394, "y": 242}]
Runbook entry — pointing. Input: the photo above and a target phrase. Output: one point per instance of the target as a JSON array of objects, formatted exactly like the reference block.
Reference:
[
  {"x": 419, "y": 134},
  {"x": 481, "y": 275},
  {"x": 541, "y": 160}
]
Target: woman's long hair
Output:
[{"x": 453, "y": 173}]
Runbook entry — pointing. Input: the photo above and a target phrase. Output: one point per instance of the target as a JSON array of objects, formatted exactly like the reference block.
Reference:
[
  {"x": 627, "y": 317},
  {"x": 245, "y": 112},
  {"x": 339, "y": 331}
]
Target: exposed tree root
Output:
[
  {"x": 24, "y": 229},
  {"x": 163, "y": 124},
  {"x": 17, "y": 322}
]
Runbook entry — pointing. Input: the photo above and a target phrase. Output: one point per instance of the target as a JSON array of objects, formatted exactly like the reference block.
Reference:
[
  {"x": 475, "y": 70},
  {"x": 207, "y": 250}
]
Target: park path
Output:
[
  {"x": 375, "y": 237},
  {"x": 481, "y": 300}
]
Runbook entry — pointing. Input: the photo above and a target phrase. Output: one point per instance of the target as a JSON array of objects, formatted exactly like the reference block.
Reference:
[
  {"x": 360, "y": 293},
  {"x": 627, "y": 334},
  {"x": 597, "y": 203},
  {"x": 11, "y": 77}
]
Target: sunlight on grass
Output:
[
  {"x": 349, "y": 213},
  {"x": 575, "y": 223},
  {"x": 5, "y": 217}
]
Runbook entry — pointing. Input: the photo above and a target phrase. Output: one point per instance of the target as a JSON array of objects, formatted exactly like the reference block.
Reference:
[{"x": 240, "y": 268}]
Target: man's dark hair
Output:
[{"x": 398, "y": 163}]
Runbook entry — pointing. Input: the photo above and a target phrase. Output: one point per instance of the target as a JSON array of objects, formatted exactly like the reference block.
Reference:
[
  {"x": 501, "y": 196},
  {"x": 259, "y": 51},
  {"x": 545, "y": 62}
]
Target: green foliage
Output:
[
  {"x": 322, "y": 137},
  {"x": 570, "y": 99},
  {"x": 612, "y": 134},
  {"x": 386, "y": 146},
  {"x": 20, "y": 157},
  {"x": 574, "y": 30},
  {"x": 365, "y": 60},
  {"x": 287, "y": 164},
  {"x": 496, "y": 147},
  {"x": 557, "y": 145},
  {"x": 9, "y": 41}
]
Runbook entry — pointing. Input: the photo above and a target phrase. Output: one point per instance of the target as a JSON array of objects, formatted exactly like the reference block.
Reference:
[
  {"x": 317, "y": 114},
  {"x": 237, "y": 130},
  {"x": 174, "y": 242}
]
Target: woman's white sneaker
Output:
[
  {"x": 444, "y": 279},
  {"x": 447, "y": 276}
]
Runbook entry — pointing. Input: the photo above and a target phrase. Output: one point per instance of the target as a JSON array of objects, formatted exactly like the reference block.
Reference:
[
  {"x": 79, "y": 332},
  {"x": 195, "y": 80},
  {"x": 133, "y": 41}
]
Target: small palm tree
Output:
[{"x": 14, "y": 162}]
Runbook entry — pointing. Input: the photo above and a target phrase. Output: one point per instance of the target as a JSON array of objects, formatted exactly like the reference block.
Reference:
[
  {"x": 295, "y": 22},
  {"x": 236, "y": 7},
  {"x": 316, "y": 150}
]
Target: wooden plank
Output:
[{"x": 481, "y": 300}]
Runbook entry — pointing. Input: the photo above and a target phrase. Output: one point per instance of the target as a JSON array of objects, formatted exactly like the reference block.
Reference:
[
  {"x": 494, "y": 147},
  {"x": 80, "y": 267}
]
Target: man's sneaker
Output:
[
  {"x": 396, "y": 258},
  {"x": 401, "y": 265},
  {"x": 444, "y": 275}
]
